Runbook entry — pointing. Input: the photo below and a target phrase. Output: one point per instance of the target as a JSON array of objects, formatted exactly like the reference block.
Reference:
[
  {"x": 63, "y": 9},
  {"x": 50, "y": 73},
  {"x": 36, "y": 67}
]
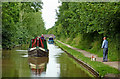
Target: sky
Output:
[{"x": 48, "y": 12}]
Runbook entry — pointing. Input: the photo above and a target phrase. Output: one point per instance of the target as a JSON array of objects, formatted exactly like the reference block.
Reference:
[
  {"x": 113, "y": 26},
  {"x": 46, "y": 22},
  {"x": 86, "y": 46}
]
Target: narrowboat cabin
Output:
[
  {"x": 50, "y": 41},
  {"x": 38, "y": 48}
]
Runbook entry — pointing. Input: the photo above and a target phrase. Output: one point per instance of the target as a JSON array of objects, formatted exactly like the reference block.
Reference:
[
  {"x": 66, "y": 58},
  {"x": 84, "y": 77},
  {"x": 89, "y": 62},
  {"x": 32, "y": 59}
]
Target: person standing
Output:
[
  {"x": 105, "y": 49},
  {"x": 42, "y": 37}
]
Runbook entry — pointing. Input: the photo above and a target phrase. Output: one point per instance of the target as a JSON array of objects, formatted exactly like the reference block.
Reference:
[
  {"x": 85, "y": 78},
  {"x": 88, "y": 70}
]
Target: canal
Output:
[{"x": 16, "y": 63}]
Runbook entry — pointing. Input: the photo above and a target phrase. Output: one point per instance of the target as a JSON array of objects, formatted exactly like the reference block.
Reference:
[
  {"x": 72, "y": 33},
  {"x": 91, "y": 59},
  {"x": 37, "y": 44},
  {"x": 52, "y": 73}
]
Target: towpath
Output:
[{"x": 114, "y": 64}]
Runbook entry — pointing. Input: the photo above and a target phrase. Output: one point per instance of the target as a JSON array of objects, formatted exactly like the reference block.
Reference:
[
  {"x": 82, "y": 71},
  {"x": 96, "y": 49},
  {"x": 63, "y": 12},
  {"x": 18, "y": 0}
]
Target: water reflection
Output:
[
  {"x": 22, "y": 50},
  {"x": 37, "y": 65},
  {"x": 16, "y": 63}
]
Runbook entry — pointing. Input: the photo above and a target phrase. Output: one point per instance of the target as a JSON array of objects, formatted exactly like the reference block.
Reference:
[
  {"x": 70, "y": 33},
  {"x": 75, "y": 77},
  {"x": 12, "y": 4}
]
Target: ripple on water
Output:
[
  {"x": 22, "y": 50},
  {"x": 24, "y": 56}
]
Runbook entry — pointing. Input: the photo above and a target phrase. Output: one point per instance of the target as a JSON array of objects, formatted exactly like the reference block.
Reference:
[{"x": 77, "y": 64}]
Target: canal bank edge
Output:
[
  {"x": 104, "y": 72},
  {"x": 83, "y": 64}
]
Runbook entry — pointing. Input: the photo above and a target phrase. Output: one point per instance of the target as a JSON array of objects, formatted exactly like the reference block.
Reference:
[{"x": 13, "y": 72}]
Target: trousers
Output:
[{"x": 105, "y": 54}]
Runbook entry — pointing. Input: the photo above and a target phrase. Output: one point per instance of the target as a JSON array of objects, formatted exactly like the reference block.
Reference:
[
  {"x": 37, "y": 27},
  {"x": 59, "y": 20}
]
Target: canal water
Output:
[{"x": 16, "y": 63}]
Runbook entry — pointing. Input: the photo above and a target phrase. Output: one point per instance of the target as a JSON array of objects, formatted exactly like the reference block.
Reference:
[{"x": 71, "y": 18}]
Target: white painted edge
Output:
[{"x": 35, "y": 48}]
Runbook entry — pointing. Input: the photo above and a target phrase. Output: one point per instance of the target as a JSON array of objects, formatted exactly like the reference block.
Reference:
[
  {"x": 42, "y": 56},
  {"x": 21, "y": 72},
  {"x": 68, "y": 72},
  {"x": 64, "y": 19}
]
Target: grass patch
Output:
[
  {"x": 93, "y": 47},
  {"x": 0, "y": 46},
  {"x": 101, "y": 68}
]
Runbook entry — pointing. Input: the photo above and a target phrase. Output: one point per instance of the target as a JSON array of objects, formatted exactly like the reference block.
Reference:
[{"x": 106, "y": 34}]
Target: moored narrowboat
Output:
[
  {"x": 50, "y": 40},
  {"x": 38, "y": 48}
]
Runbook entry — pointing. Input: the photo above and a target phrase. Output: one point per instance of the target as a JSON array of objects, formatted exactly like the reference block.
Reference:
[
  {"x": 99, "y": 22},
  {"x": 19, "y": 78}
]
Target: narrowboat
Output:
[
  {"x": 38, "y": 65},
  {"x": 38, "y": 48},
  {"x": 50, "y": 40}
]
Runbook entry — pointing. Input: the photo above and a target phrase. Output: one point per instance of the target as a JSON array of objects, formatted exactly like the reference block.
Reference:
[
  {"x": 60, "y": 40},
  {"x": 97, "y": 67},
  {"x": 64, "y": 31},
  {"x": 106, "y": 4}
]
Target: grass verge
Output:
[
  {"x": 0, "y": 46},
  {"x": 93, "y": 46},
  {"x": 101, "y": 68}
]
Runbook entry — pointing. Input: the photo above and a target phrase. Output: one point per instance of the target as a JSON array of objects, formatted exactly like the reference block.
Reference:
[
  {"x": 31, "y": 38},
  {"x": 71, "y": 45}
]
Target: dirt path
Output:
[{"x": 114, "y": 64}]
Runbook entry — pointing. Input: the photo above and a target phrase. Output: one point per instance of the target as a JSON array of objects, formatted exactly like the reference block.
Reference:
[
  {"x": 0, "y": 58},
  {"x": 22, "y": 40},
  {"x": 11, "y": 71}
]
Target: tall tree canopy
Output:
[
  {"x": 90, "y": 21},
  {"x": 21, "y": 21}
]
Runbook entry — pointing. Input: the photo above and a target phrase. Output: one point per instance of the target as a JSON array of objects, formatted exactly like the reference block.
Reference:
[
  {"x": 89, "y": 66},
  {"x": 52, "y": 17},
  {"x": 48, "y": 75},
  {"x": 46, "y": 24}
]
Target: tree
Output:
[{"x": 21, "y": 21}]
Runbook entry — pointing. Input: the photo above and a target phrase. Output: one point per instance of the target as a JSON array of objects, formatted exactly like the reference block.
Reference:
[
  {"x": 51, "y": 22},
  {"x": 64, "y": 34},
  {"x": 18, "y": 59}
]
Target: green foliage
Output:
[
  {"x": 101, "y": 68},
  {"x": 92, "y": 21},
  {"x": 20, "y": 22}
]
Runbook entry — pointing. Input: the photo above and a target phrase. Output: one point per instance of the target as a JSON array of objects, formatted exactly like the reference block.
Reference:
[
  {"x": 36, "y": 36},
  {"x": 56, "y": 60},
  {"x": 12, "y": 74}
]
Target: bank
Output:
[{"x": 98, "y": 68}]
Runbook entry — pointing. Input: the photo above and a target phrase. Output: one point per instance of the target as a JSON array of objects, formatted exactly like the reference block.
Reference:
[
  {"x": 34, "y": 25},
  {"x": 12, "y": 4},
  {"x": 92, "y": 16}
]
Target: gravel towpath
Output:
[{"x": 114, "y": 64}]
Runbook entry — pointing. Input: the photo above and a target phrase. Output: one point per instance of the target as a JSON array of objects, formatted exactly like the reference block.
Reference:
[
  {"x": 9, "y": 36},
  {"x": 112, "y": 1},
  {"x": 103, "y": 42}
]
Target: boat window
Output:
[{"x": 50, "y": 38}]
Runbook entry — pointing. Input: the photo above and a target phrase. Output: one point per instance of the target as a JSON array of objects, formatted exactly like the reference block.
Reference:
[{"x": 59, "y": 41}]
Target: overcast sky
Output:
[{"x": 48, "y": 12}]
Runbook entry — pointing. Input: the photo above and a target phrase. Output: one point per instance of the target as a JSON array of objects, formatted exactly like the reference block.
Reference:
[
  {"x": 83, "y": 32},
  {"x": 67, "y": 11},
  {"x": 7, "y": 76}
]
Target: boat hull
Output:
[
  {"x": 50, "y": 41},
  {"x": 38, "y": 52}
]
